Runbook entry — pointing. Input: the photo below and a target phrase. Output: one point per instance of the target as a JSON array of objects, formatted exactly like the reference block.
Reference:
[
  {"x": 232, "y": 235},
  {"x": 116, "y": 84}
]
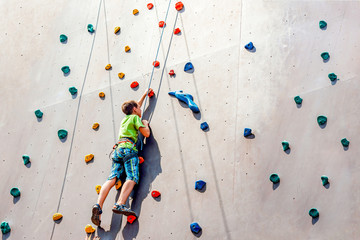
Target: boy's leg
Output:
[
  {"x": 125, "y": 191},
  {"x": 105, "y": 189}
]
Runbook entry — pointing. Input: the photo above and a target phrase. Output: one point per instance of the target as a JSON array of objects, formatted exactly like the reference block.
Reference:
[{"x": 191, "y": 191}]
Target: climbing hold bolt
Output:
[
  {"x": 15, "y": 192},
  {"x": 298, "y": 100},
  {"x": 321, "y": 120},
  {"x": 89, "y": 157},
  {"x": 285, "y": 145},
  {"x": 171, "y": 73},
  {"x": 345, "y": 142},
  {"x": 101, "y": 94},
  {"x": 162, "y": 24},
  {"x": 73, "y": 90},
  {"x": 199, "y": 184},
  {"x": 90, "y": 28},
  {"x": 150, "y": 6},
  {"x": 187, "y": 98},
  {"x": 26, "y": 159},
  {"x": 325, "y": 180},
  {"x": 57, "y": 216},
  {"x": 332, "y": 76},
  {"x": 63, "y": 38},
  {"x": 249, "y": 46},
  {"x": 135, "y": 11},
  {"x": 188, "y": 66},
  {"x": 204, "y": 126},
  {"x": 62, "y": 133},
  {"x": 95, "y": 126},
  {"x": 274, "y": 178},
  {"x": 177, "y": 31},
  {"x": 314, "y": 213},
  {"x": 121, "y": 75},
  {"x": 155, "y": 194},
  {"x": 5, "y": 227},
  {"x": 97, "y": 188},
  {"x": 179, "y": 6},
  {"x": 65, "y": 69},
  {"x": 116, "y": 30},
  {"x": 151, "y": 93},
  {"x": 195, "y": 227},
  {"x": 118, "y": 184},
  {"x": 107, "y": 67},
  {"x": 156, "y": 63},
  {"x": 141, "y": 160},
  {"x": 130, "y": 219},
  {"x": 89, "y": 229},
  {"x": 127, "y": 48},
  {"x": 134, "y": 84},
  {"x": 247, "y": 132},
  {"x": 325, "y": 55},
  {"x": 38, "y": 113},
  {"x": 322, "y": 24}
]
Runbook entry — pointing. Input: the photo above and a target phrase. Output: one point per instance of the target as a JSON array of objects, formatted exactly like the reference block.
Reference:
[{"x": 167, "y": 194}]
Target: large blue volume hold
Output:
[
  {"x": 195, "y": 227},
  {"x": 199, "y": 184},
  {"x": 247, "y": 132},
  {"x": 186, "y": 98},
  {"x": 204, "y": 126},
  {"x": 188, "y": 66},
  {"x": 249, "y": 46}
]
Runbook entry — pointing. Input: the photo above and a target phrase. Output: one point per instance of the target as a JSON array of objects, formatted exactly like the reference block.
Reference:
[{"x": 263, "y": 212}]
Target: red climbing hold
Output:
[
  {"x": 162, "y": 24},
  {"x": 134, "y": 84},
  {"x": 155, "y": 194},
  {"x": 177, "y": 30},
  {"x": 151, "y": 93},
  {"x": 150, "y": 6},
  {"x": 156, "y": 63},
  {"x": 141, "y": 160},
  {"x": 179, "y": 6},
  {"x": 131, "y": 219},
  {"x": 171, "y": 73}
]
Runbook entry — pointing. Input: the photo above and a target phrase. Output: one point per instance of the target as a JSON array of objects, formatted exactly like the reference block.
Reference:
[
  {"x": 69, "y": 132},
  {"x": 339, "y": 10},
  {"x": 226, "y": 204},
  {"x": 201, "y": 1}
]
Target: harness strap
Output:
[{"x": 127, "y": 157}]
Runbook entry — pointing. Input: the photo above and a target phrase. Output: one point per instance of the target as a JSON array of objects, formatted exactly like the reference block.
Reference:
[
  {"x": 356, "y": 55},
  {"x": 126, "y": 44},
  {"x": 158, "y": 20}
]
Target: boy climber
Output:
[{"x": 124, "y": 158}]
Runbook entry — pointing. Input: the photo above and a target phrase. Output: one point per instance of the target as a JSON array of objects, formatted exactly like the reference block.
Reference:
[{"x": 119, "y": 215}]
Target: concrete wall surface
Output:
[{"x": 234, "y": 89}]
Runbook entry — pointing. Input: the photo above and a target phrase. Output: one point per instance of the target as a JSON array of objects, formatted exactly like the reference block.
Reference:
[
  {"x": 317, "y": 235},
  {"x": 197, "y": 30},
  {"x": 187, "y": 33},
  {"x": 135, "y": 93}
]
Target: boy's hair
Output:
[{"x": 128, "y": 107}]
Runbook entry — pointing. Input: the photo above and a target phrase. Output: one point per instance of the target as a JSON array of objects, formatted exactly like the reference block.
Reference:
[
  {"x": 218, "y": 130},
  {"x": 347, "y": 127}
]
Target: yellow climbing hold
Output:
[
  {"x": 89, "y": 229},
  {"x": 121, "y": 75},
  {"x": 98, "y": 188},
  {"x": 57, "y": 216},
  {"x": 95, "y": 125},
  {"x": 135, "y": 11},
  {"x": 101, "y": 94},
  {"x": 118, "y": 184},
  {"x": 127, "y": 48},
  {"x": 89, "y": 157},
  {"x": 107, "y": 67},
  {"x": 116, "y": 30}
]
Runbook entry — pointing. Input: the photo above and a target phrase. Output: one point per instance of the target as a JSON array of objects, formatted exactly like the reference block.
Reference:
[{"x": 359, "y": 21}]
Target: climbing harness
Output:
[{"x": 123, "y": 140}]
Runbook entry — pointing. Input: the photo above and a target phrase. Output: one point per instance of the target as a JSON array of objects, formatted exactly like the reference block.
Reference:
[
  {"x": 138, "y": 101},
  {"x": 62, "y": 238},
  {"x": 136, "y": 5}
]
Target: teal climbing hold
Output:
[
  {"x": 332, "y": 76},
  {"x": 63, "y": 38},
  {"x": 325, "y": 55},
  {"x": 325, "y": 180},
  {"x": 322, "y": 24},
  {"x": 285, "y": 145},
  {"x": 62, "y": 133},
  {"x": 274, "y": 178},
  {"x": 15, "y": 192},
  {"x": 298, "y": 99},
  {"x": 345, "y": 142},
  {"x": 314, "y": 213},
  {"x": 65, "y": 69},
  {"x": 90, "y": 28},
  {"x": 321, "y": 120},
  {"x": 73, "y": 90},
  {"x": 5, "y": 227},
  {"x": 38, "y": 113},
  {"x": 26, "y": 159}
]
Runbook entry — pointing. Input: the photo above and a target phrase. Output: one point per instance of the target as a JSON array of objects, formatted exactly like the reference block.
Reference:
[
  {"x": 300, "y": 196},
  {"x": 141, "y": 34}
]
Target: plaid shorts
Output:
[{"x": 131, "y": 165}]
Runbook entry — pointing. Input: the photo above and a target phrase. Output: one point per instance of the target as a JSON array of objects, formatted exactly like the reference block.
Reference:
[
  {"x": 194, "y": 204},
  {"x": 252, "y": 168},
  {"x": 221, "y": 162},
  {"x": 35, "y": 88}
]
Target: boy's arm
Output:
[
  {"x": 145, "y": 131},
  {"x": 141, "y": 100}
]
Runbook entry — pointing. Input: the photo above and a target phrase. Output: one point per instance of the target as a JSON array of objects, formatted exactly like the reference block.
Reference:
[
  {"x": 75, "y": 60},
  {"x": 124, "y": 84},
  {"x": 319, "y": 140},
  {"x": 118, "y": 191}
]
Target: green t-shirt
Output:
[{"x": 129, "y": 128}]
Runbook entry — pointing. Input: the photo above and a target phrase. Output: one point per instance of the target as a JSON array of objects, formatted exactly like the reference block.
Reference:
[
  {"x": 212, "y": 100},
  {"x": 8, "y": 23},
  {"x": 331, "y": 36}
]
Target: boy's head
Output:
[{"x": 131, "y": 107}]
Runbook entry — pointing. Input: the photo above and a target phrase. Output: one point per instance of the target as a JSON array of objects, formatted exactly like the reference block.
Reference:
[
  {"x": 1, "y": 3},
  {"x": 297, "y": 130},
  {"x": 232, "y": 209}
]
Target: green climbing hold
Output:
[
  {"x": 90, "y": 28},
  {"x": 314, "y": 213},
  {"x": 285, "y": 145},
  {"x": 322, "y": 24},
  {"x": 63, "y": 38},
  {"x": 26, "y": 159},
  {"x": 62, "y": 133},
  {"x": 5, "y": 227},
  {"x": 73, "y": 90},
  {"x": 332, "y": 76},
  {"x": 321, "y": 120},
  {"x": 38, "y": 113},
  {"x": 65, "y": 69},
  {"x": 298, "y": 99},
  {"x": 274, "y": 178},
  {"x": 325, "y": 55},
  {"x": 324, "y": 179},
  {"x": 345, "y": 142},
  {"x": 15, "y": 192}
]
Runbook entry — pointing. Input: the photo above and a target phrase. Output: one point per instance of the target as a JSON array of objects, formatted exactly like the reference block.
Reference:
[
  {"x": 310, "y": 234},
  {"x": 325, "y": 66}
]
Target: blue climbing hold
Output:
[
  {"x": 204, "y": 126},
  {"x": 247, "y": 132},
  {"x": 188, "y": 66},
  {"x": 187, "y": 98},
  {"x": 199, "y": 184},
  {"x": 249, "y": 46},
  {"x": 195, "y": 227}
]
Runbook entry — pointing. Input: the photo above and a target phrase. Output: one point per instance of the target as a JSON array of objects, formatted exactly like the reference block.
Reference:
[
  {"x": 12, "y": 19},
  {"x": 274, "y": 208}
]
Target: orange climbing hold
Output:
[
  {"x": 118, "y": 184},
  {"x": 141, "y": 160},
  {"x": 57, "y": 216},
  {"x": 135, "y": 11},
  {"x": 156, "y": 63},
  {"x": 177, "y": 31},
  {"x": 162, "y": 24},
  {"x": 150, "y": 6},
  {"x": 101, "y": 94},
  {"x": 130, "y": 219},
  {"x": 121, "y": 75},
  {"x": 95, "y": 126},
  {"x": 89, "y": 157},
  {"x": 171, "y": 73},
  {"x": 107, "y": 67},
  {"x": 151, "y": 93},
  {"x": 155, "y": 194},
  {"x": 134, "y": 84},
  {"x": 89, "y": 229},
  {"x": 116, "y": 30},
  {"x": 179, "y": 6},
  {"x": 127, "y": 48}
]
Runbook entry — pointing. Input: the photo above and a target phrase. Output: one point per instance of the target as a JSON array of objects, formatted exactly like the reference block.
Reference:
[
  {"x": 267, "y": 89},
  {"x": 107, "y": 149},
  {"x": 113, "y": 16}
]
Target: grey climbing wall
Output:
[{"x": 234, "y": 89}]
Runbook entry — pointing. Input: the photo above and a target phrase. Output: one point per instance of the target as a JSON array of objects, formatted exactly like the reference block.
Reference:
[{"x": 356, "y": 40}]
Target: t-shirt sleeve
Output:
[{"x": 137, "y": 122}]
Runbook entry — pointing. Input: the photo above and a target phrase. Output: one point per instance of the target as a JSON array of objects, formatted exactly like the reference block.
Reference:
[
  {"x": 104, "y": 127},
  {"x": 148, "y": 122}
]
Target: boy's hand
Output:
[
  {"x": 145, "y": 122},
  {"x": 147, "y": 91}
]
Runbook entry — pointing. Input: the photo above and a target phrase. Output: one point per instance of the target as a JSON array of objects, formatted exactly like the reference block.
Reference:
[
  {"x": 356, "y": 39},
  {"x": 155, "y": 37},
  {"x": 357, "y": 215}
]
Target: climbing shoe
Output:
[
  {"x": 96, "y": 212},
  {"x": 122, "y": 209}
]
